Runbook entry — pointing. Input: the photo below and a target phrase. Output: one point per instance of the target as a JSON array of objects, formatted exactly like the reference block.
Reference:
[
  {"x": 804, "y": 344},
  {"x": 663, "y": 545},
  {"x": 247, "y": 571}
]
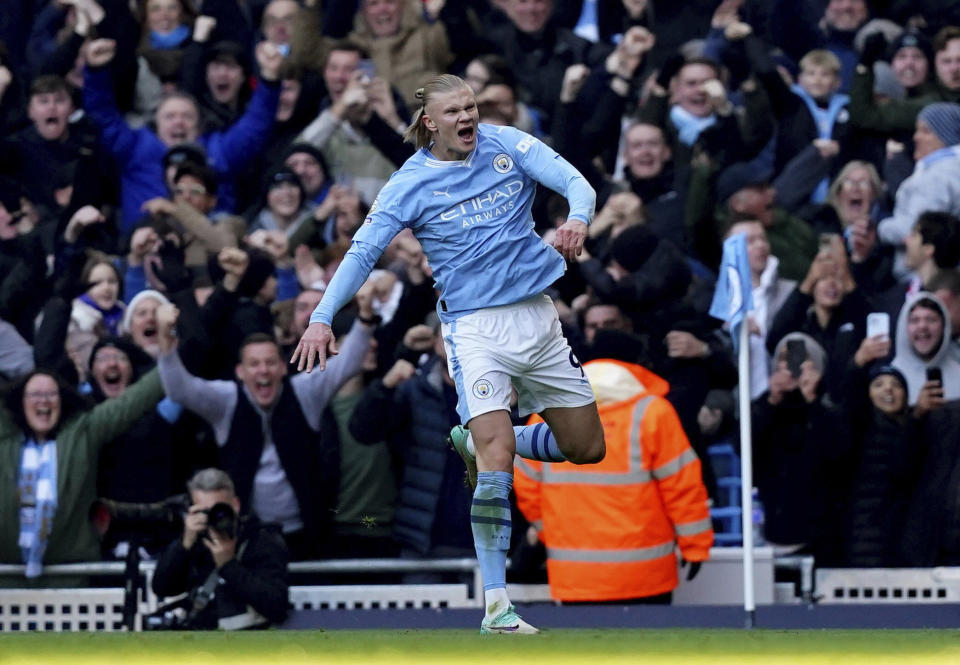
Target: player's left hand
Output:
[{"x": 569, "y": 239}]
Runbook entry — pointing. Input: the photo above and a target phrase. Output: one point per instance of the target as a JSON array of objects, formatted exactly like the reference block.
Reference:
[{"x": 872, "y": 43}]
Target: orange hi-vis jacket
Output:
[{"x": 610, "y": 528}]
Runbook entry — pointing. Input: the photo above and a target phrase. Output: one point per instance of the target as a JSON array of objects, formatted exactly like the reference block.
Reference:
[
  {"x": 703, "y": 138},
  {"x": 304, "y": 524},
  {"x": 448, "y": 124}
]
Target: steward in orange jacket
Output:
[{"x": 610, "y": 528}]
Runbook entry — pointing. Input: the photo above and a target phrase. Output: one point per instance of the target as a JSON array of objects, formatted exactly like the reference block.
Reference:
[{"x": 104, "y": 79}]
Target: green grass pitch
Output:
[{"x": 417, "y": 647}]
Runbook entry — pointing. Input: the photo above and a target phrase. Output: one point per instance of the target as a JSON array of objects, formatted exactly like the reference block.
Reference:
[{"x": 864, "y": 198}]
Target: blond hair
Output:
[
  {"x": 821, "y": 58},
  {"x": 417, "y": 133},
  {"x": 875, "y": 181}
]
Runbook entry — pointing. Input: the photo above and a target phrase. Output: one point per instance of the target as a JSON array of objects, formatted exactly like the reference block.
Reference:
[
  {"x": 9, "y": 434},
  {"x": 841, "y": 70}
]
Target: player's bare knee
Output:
[{"x": 589, "y": 451}]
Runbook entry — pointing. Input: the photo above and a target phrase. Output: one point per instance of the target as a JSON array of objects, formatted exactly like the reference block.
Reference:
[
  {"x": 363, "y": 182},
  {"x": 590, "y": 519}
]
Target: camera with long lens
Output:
[
  {"x": 107, "y": 515},
  {"x": 222, "y": 518}
]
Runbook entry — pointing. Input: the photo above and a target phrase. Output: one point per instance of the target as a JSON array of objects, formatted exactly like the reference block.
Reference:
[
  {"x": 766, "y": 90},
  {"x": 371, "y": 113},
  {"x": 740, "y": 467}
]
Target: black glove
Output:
[
  {"x": 873, "y": 49},
  {"x": 669, "y": 69},
  {"x": 171, "y": 271},
  {"x": 694, "y": 568}
]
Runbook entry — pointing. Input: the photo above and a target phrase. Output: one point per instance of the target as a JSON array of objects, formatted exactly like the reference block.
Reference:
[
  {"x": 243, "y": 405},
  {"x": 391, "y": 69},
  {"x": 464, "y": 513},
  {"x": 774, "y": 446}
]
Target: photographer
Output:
[{"x": 234, "y": 570}]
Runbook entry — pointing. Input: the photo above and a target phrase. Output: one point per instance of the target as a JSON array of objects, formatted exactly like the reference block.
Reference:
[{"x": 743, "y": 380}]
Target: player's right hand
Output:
[{"x": 318, "y": 341}]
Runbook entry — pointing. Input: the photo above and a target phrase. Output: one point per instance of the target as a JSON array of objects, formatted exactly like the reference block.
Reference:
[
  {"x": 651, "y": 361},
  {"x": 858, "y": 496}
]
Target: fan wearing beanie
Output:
[
  {"x": 934, "y": 184},
  {"x": 942, "y": 119},
  {"x": 285, "y": 203}
]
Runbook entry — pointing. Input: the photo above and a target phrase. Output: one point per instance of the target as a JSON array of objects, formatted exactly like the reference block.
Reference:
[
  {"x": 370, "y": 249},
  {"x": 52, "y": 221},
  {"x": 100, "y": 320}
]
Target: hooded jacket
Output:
[
  {"x": 611, "y": 528},
  {"x": 913, "y": 367}
]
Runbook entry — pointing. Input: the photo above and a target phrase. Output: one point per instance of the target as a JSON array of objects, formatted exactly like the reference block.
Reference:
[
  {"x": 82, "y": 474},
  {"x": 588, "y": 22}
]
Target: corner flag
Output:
[
  {"x": 731, "y": 302},
  {"x": 733, "y": 297}
]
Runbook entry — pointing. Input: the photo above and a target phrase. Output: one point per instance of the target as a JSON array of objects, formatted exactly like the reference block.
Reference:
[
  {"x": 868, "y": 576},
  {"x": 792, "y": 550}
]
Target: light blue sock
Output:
[
  {"x": 536, "y": 442},
  {"x": 491, "y": 525}
]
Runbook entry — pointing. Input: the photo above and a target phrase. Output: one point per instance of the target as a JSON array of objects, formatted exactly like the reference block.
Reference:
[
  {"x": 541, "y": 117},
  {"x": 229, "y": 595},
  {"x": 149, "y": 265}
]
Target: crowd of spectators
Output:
[{"x": 179, "y": 179}]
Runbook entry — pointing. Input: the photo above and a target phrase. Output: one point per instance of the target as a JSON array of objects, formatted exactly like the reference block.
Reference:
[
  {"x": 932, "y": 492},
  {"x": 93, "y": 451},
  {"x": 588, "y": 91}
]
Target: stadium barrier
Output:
[
  {"x": 102, "y": 609},
  {"x": 887, "y": 585}
]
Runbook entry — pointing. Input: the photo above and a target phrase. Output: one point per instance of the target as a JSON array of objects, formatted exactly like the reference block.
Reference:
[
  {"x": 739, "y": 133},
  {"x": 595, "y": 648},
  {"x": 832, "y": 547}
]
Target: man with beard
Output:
[{"x": 923, "y": 342}]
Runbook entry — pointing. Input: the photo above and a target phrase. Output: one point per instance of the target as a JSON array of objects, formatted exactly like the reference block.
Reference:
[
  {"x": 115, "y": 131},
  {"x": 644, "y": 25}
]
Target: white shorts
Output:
[{"x": 521, "y": 346}]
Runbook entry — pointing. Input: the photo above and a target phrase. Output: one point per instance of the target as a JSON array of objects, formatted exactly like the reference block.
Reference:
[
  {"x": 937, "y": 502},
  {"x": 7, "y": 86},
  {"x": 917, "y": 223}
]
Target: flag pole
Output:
[{"x": 746, "y": 475}]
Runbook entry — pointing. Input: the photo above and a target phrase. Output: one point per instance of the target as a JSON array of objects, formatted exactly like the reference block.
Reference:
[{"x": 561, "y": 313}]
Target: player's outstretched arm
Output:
[{"x": 319, "y": 343}]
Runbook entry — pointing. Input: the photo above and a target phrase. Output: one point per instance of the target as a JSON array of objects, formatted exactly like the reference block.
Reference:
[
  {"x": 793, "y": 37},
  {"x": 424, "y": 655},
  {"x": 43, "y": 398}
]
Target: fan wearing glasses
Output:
[{"x": 189, "y": 213}]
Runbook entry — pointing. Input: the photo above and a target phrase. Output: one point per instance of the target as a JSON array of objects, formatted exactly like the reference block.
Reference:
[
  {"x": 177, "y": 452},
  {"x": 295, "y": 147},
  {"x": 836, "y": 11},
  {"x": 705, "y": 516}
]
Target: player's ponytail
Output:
[{"x": 417, "y": 133}]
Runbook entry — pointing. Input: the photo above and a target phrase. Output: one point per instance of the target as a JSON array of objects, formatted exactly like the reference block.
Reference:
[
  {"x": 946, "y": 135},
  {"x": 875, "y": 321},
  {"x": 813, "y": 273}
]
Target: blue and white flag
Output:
[{"x": 733, "y": 297}]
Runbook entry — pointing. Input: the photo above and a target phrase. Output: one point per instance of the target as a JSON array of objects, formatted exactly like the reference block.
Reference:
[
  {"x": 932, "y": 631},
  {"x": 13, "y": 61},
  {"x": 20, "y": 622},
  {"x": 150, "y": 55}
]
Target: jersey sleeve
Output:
[
  {"x": 373, "y": 236},
  {"x": 546, "y": 166}
]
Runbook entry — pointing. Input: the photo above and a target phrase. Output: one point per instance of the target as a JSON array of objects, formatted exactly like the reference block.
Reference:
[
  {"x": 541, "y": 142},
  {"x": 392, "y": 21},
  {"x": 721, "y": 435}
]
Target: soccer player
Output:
[{"x": 466, "y": 195}]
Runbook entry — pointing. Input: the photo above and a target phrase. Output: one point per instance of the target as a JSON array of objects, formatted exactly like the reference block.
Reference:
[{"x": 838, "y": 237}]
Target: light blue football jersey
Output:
[{"x": 473, "y": 219}]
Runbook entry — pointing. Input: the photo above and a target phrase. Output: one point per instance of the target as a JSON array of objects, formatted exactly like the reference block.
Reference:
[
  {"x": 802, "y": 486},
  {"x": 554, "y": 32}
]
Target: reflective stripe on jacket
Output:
[{"x": 610, "y": 528}]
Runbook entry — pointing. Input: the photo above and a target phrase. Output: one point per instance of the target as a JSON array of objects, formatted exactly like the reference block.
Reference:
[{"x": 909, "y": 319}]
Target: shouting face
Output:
[
  {"x": 177, "y": 121},
  {"x": 49, "y": 112},
  {"x": 452, "y": 117},
  {"x": 112, "y": 371},
  {"x": 924, "y": 331},
  {"x": 143, "y": 325},
  {"x": 261, "y": 370},
  {"x": 888, "y": 394},
  {"x": 41, "y": 405}
]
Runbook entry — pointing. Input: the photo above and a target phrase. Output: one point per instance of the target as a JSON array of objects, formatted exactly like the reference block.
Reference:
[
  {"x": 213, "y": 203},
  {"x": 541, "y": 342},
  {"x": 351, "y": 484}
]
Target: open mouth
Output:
[
  {"x": 467, "y": 134},
  {"x": 857, "y": 204},
  {"x": 150, "y": 332},
  {"x": 263, "y": 389},
  {"x": 112, "y": 378}
]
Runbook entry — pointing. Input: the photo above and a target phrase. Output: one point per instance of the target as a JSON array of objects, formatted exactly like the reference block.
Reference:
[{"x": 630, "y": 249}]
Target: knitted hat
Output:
[
  {"x": 914, "y": 39},
  {"x": 132, "y": 305},
  {"x": 634, "y": 246},
  {"x": 185, "y": 152},
  {"x": 879, "y": 370},
  {"x": 284, "y": 175},
  {"x": 308, "y": 149},
  {"x": 943, "y": 119}
]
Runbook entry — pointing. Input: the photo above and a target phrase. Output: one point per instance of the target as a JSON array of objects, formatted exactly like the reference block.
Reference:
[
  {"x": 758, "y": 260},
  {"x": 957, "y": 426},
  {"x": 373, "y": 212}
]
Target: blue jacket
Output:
[{"x": 139, "y": 152}]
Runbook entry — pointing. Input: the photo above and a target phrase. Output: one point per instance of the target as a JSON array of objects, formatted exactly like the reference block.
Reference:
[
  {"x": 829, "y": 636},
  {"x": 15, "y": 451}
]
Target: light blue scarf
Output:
[
  {"x": 37, "y": 490},
  {"x": 169, "y": 40},
  {"x": 824, "y": 119},
  {"x": 688, "y": 125}
]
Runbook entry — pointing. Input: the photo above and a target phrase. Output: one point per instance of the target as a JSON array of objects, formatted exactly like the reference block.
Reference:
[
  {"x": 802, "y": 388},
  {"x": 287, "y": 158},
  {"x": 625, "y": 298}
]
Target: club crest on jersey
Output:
[
  {"x": 482, "y": 389},
  {"x": 502, "y": 163}
]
